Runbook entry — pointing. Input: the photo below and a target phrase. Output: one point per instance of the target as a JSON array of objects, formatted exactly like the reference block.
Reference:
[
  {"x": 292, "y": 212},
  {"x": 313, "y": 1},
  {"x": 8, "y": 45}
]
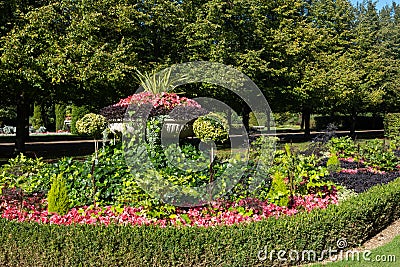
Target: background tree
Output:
[
  {"x": 69, "y": 50},
  {"x": 306, "y": 56}
]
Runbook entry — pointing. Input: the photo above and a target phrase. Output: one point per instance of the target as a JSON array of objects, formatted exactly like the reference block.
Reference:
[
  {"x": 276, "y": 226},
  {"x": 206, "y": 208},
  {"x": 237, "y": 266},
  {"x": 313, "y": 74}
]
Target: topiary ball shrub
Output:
[
  {"x": 211, "y": 127},
  {"x": 92, "y": 124},
  {"x": 57, "y": 198}
]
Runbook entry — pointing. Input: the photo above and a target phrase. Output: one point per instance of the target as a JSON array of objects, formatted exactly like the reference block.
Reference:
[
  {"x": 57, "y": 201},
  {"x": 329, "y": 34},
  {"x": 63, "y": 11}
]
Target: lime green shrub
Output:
[
  {"x": 211, "y": 127},
  {"x": 333, "y": 164},
  {"x": 279, "y": 192},
  {"x": 92, "y": 124},
  {"x": 57, "y": 198},
  {"x": 253, "y": 120}
]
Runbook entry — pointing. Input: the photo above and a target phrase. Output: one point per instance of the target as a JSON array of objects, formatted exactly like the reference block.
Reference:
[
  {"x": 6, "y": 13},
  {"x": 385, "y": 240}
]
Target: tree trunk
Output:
[
  {"x": 353, "y": 124},
  {"x": 246, "y": 117},
  {"x": 229, "y": 118},
  {"x": 22, "y": 126},
  {"x": 306, "y": 116},
  {"x": 268, "y": 121}
]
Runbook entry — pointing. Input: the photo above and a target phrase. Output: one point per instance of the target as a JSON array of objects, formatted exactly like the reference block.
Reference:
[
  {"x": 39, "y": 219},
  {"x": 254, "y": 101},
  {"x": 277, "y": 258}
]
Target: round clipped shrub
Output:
[
  {"x": 92, "y": 124},
  {"x": 57, "y": 198},
  {"x": 211, "y": 127}
]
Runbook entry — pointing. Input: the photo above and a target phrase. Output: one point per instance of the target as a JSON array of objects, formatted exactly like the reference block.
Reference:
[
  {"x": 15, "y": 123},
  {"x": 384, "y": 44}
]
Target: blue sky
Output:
[{"x": 380, "y": 3}]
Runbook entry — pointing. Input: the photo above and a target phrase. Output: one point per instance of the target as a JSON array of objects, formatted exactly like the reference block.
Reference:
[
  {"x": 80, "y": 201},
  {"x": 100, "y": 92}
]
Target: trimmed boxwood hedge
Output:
[{"x": 356, "y": 219}]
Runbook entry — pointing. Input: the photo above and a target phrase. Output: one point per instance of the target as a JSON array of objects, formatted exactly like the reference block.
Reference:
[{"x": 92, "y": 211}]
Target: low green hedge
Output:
[{"x": 356, "y": 220}]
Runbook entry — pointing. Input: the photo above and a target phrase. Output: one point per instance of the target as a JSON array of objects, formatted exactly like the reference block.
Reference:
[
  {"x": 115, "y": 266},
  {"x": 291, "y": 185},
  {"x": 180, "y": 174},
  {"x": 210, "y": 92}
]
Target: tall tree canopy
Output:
[{"x": 306, "y": 56}]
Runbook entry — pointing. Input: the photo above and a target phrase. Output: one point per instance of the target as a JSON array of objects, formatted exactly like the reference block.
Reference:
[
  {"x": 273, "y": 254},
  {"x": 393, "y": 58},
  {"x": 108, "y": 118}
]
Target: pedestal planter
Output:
[{"x": 174, "y": 127}]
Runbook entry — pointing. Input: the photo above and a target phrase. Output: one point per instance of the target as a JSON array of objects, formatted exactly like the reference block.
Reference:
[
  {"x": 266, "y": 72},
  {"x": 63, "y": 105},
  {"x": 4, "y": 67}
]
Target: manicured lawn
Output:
[{"x": 387, "y": 255}]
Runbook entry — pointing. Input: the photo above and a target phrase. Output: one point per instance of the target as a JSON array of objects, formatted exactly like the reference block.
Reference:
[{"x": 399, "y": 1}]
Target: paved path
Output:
[{"x": 52, "y": 149}]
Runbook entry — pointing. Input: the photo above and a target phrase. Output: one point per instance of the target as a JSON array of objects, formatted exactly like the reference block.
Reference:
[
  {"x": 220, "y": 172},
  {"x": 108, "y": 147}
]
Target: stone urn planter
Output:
[{"x": 172, "y": 127}]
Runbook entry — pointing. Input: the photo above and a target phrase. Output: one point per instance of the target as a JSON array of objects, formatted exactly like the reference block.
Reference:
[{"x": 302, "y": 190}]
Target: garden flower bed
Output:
[
  {"x": 94, "y": 212},
  {"x": 34, "y": 209},
  {"x": 355, "y": 219}
]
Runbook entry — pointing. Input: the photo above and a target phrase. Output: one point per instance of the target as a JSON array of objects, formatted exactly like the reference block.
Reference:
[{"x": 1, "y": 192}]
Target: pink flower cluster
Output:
[
  {"x": 367, "y": 169},
  {"x": 347, "y": 159},
  {"x": 351, "y": 160},
  {"x": 218, "y": 213},
  {"x": 164, "y": 100}
]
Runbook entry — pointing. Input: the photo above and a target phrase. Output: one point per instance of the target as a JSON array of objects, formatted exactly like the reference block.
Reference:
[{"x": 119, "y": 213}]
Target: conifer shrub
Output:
[
  {"x": 279, "y": 192},
  {"x": 333, "y": 164},
  {"x": 60, "y": 111},
  {"x": 57, "y": 198},
  {"x": 37, "y": 119},
  {"x": 253, "y": 120}
]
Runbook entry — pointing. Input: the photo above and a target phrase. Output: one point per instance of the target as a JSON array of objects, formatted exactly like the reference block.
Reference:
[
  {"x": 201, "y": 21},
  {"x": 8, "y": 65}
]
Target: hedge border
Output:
[{"x": 356, "y": 220}]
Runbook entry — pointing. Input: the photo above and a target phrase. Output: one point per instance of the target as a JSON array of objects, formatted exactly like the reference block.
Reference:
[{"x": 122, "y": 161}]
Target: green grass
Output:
[{"x": 387, "y": 255}]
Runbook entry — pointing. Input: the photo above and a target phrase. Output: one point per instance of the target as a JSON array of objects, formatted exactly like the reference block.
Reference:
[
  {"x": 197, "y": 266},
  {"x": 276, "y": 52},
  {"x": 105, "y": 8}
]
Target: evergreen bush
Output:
[
  {"x": 37, "y": 119},
  {"x": 57, "y": 198},
  {"x": 76, "y": 114},
  {"x": 60, "y": 111},
  {"x": 392, "y": 125},
  {"x": 333, "y": 164}
]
